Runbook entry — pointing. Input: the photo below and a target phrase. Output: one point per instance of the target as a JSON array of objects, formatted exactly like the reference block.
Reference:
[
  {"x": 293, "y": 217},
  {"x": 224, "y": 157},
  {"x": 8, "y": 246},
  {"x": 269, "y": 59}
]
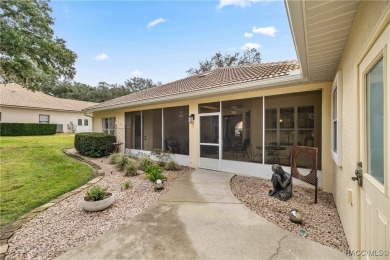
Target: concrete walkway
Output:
[{"x": 199, "y": 218}]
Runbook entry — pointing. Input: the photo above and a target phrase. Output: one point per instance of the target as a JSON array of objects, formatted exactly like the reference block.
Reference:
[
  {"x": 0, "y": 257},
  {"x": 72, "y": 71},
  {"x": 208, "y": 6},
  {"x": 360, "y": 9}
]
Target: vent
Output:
[
  {"x": 204, "y": 74},
  {"x": 60, "y": 128}
]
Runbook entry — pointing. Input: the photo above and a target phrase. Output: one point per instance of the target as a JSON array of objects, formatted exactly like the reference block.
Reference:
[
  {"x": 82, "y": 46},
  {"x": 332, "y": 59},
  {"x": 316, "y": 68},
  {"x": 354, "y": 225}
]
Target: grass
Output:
[{"x": 34, "y": 170}]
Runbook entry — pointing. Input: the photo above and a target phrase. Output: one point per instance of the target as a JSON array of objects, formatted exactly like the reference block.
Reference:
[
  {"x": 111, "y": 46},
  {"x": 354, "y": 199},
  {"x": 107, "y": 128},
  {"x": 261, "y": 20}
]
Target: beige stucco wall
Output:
[
  {"x": 24, "y": 115},
  {"x": 361, "y": 34},
  {"x": 193, "y": 128}
]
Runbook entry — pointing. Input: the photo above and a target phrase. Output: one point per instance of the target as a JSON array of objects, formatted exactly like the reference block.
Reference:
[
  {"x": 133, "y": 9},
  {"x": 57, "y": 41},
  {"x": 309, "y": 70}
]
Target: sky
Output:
[{"x": 160, "y": 40}]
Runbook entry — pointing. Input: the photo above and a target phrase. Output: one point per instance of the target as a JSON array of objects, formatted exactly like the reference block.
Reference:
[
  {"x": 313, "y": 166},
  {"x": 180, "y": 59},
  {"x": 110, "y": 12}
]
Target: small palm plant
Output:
[{"x": 154, "y": 173}]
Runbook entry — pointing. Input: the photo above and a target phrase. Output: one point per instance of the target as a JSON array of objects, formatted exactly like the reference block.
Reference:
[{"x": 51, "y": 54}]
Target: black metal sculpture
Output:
[{"x": 281, "y": 182}]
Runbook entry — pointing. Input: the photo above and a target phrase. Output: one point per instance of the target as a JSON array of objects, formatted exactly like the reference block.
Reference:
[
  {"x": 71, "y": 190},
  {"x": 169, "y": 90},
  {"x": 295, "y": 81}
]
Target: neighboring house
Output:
[
  {"x": 20, "y": 105},
  {"x": 336, "y": 98}
]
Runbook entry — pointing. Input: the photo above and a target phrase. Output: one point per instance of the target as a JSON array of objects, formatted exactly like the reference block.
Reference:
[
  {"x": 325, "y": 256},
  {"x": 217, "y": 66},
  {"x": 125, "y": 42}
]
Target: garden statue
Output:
[{"x": 281, "y": 182}]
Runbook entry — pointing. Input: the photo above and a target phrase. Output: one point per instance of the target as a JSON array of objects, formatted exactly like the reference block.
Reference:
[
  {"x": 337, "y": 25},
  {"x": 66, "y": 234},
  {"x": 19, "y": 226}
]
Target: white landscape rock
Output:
[{"x": 66, "y": 225}]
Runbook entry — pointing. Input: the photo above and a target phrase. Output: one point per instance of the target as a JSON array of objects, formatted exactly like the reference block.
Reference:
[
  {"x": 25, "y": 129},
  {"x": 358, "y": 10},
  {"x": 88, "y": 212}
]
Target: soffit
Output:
[{"x": 326, "y": 26}]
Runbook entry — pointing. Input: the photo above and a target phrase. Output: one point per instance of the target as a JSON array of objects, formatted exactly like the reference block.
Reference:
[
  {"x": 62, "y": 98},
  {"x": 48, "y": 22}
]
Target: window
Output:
[
  {"x": 44, "y": 119},
  {"x": 85, "y": 122},
  {"x": 238, "y": 129},
  {"x": 109, "y": 125},
  {"x": 292, "y": 119},
  {"x": 242, "y": 129},
  {"x": 176, "y": 129},
  {"x": 80, "y": 122},
  {"x": 334, "y": 119},
  {"x": 336, "y": 127},
  {"x": 158, "y": 128},
  {"x": 375, "y": 117}
]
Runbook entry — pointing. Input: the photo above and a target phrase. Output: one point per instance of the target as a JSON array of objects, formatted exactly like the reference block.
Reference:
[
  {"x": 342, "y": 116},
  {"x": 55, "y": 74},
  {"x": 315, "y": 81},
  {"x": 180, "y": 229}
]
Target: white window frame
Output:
[
  {"x": 337, "y": 133},
  {"x": 86, "y": 123},
  {"x": 112, "y": 127},
  {"x": 80, "y": 122},
  {"x": 42, "y": 121}
]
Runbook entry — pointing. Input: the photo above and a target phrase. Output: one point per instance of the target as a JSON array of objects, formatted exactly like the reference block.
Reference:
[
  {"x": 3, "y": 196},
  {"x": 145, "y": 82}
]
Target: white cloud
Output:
[
  {"x": 248, "y": 35},
  {"x": 241, "y": 3},
  {"x": 155, "y": 22},
  {"x": 251, "y": 45},
  {"x": 136, "y": 73},
  {"x": 270, "y": 30},
  {"x": 100, "y": 57}
]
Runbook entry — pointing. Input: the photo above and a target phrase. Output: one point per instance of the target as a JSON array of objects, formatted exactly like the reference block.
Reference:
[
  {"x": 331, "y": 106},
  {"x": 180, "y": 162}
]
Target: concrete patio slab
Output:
[{"x": 199, "y": 218}]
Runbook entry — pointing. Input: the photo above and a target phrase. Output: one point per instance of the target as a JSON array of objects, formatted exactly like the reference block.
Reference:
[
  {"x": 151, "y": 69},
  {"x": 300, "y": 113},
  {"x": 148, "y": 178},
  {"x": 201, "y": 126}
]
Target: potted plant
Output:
[{"x": 97, "y": 199}]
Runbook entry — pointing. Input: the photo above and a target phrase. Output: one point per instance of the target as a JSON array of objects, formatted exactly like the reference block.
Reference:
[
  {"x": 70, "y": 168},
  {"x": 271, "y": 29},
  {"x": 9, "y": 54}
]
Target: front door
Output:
[
  {"x": 209, "y": 157},
  {"x": 374, "y": 72}
]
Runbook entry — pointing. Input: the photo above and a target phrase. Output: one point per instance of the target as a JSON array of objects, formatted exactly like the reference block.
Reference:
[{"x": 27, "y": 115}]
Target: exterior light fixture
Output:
[{"x": 191, "y": 118}]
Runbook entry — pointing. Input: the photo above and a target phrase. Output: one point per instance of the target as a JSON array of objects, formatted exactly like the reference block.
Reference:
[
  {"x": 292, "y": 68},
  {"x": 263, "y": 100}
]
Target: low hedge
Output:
[
  {"x": 27, "y": 129},
  {"x": 94, "y": 144}
]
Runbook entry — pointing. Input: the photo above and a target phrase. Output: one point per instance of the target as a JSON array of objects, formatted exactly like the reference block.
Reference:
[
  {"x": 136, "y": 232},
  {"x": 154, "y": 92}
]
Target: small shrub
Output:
[
  {"x": 122, "y": 162},
  {"x": 96, "y": 193},
  {"x": 94, "y": 144},
  {"x": 154, "y": 173},
  {"x": 115, "y": 157},
  {"x": 144, "y": 162},
  {"x": 131, "y": 167},
  {"x": 171, "y": 166},
  {"x": 126, "y": 185},
  {"x": 162, "y": 156}
]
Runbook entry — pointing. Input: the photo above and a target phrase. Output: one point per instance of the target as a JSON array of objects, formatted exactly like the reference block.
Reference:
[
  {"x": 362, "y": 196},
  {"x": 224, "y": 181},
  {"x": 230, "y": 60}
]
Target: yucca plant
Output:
[
  {"x": 115, "y": 157},
  {"x": 171, "y": 166},
  {"x": 131, "y": 167},
  {"x": 122, "y": 162},
  {"x": 144, "y": 162}
]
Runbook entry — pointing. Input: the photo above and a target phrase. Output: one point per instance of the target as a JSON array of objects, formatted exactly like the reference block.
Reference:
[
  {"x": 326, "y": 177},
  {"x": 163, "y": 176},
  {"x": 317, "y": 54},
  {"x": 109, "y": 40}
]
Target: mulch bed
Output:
[{"x": 321, "y": 221}]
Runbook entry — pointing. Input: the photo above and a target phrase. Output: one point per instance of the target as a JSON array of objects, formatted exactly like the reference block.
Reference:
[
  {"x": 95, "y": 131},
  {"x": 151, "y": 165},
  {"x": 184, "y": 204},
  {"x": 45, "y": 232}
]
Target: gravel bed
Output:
[
  {"x": 321, "y": 220},
  {"x": 66, "y": 225}
]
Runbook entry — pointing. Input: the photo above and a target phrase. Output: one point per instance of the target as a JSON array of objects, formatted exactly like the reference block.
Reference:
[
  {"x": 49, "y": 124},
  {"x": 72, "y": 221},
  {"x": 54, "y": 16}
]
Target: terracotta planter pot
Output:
[{"x": 98, "y": 205}]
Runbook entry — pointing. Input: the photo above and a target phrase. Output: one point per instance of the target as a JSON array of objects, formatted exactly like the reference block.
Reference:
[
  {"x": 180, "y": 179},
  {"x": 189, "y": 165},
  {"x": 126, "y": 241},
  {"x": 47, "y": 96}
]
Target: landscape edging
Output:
[{"x": 8, "y": 231}]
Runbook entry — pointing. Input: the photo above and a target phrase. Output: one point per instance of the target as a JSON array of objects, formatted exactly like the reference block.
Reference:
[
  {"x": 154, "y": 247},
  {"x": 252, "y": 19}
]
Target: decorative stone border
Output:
[{"x": 8, "y": 231}]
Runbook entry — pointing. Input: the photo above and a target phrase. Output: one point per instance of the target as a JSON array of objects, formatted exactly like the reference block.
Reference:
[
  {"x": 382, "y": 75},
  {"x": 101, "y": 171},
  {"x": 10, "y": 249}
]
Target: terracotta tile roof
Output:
[
  {"x": 217, "y": 78},
  {"x": 15, "y": 95}
]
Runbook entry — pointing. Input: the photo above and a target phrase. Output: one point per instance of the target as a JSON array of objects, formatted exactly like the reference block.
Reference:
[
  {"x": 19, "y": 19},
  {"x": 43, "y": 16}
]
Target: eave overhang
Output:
[{"x": 320, "y": 30}]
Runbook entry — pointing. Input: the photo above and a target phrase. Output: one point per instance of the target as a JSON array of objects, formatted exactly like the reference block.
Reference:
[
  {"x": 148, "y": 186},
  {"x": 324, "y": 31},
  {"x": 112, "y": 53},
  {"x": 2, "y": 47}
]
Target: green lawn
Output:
[{"x": 34, "y": 170}]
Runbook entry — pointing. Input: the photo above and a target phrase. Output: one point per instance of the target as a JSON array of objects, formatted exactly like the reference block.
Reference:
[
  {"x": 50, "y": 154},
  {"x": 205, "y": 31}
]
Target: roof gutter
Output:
[
  {"x": 42, "y": 108},
  {"x": 253, "y": 85},
  {"x": 85, "y": 114},
  {"x": 296, "y": 18}
]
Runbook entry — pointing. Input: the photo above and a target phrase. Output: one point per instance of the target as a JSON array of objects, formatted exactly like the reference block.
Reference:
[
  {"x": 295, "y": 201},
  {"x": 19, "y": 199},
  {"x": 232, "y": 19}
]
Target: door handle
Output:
[{"x": 359, "y": 174}]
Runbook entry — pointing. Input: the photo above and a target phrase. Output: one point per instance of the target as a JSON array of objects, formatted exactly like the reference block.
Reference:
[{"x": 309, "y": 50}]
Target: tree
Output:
[
  {"x": 102, "y": 92},
  {"x": 137, "y": 84},
  {"x": 249, "y": 56},
  {"x": 29, "y": 53}
]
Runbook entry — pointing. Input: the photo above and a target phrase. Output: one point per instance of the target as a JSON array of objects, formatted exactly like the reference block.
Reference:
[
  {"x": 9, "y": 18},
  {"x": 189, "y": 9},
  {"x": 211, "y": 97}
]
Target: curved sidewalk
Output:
[{"x": 199, "y": 218}]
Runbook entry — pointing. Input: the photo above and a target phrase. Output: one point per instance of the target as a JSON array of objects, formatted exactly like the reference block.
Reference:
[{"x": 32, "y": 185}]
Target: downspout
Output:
[{"x": 85, "y": 114}]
